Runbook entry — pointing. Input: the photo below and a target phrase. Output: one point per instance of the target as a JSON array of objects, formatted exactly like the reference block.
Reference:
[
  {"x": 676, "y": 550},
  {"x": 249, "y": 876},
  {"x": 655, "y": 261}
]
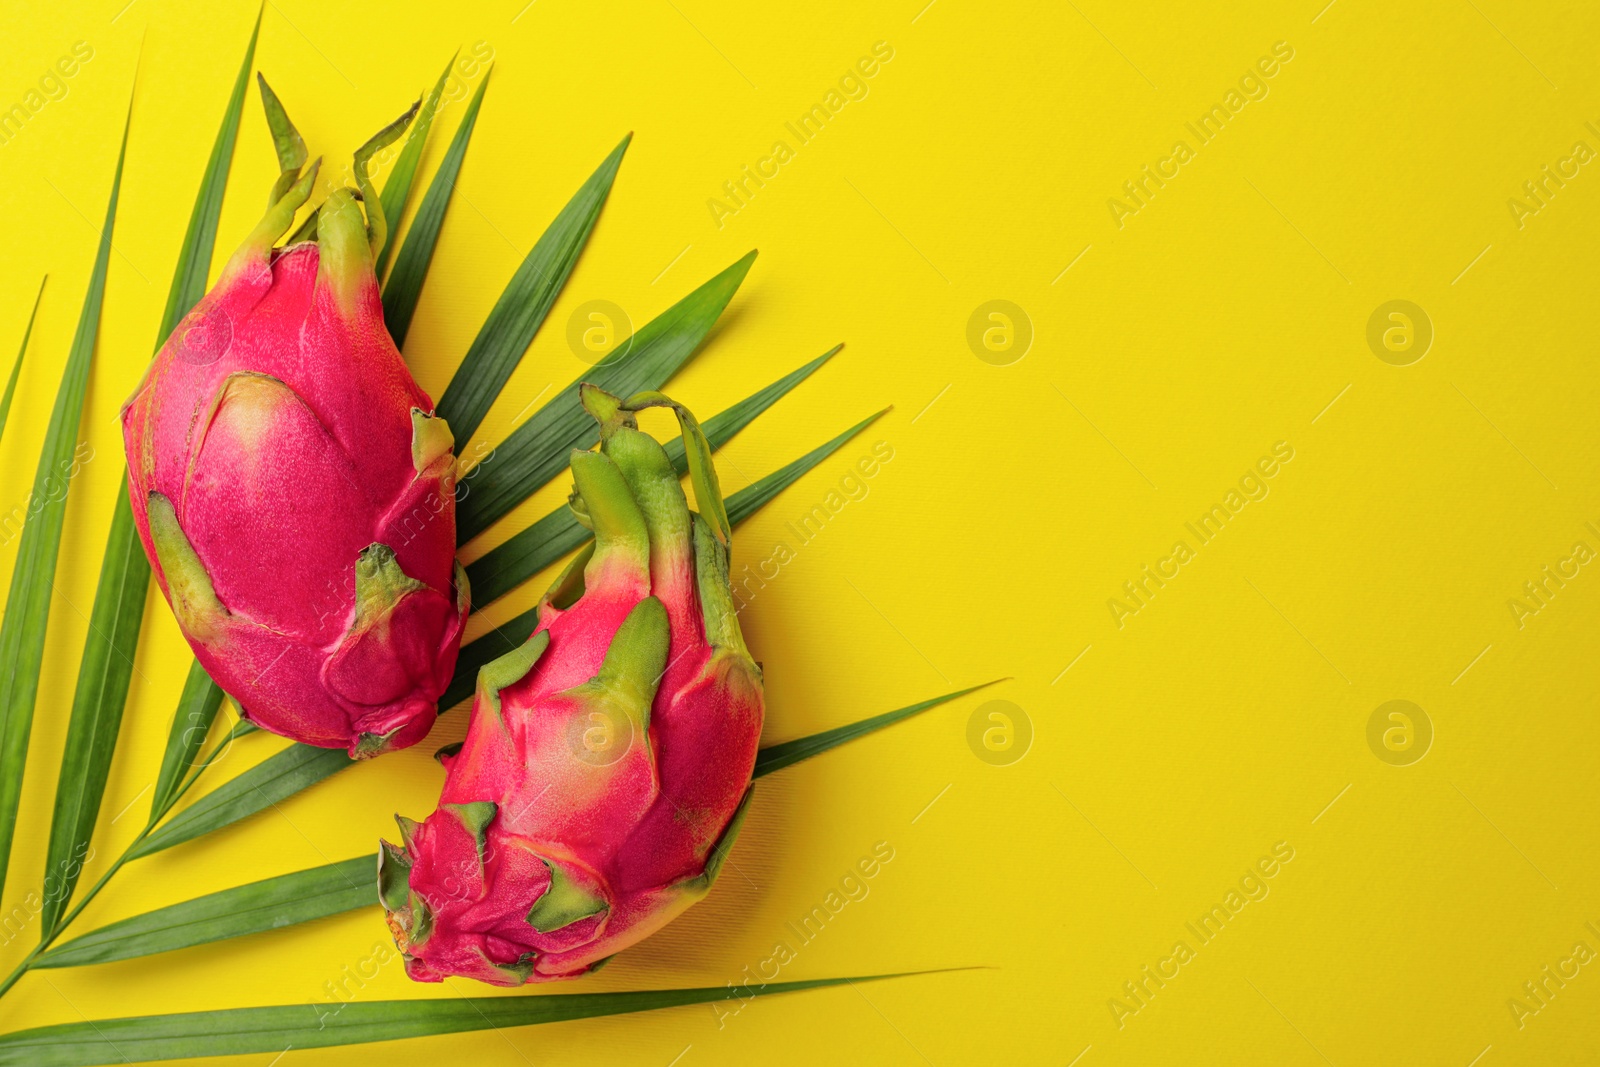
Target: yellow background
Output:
[{"x": 1226, "y": 716}]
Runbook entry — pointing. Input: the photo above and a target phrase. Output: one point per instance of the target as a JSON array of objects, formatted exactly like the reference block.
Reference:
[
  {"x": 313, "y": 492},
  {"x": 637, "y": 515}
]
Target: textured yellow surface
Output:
[{"x": 1213, "y": 318}]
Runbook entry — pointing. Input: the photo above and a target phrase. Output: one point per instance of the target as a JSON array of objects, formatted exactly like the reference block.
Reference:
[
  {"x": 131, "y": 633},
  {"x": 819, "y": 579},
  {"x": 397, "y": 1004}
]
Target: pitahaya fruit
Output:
[
  {"x": 293, "y": 488},
  {"x": 608, "y": 760}
]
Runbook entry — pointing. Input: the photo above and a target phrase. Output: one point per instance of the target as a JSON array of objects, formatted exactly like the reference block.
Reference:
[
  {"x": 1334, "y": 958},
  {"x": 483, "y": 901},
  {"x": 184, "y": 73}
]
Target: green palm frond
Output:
[
  {"x": 300, "y": 766},
  {"x": 236, "y": 1031},
  {"x": 403, "y": 288},
  {"x": 16, "y": 368},
  {"x": 530, "y": 456},
  {"x": 522, "y": 555},
  {"x": 318, "y": 892},
  {"x": 103, "y": 677},
  {"x": 537, "y": 450},
  {"x": 191, "y": 723},
  {"x": 28, "y": 604},
  {"x": 270, "y": 904},
  {"x": 119, "y": 601},
  {"x": 522, "y": 308},
  {"x": 397, "y": 187}
]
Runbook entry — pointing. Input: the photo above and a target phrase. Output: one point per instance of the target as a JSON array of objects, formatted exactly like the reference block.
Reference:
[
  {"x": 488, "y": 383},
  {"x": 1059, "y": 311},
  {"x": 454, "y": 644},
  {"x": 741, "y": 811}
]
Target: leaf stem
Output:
[{"x": 83, "y": 901}]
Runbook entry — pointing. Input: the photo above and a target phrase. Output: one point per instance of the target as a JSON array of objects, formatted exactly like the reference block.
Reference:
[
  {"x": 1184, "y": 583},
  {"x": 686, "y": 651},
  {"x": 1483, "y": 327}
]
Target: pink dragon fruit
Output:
[
  {"x": 608, "y": 761},
  {"x": 293, "y": 488}
]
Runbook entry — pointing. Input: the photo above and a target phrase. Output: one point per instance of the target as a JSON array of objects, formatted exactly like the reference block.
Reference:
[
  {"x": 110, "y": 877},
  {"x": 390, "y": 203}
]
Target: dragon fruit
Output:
[
  {"x": 293, "y": 488},
  {"x": 607, "y": 764}
]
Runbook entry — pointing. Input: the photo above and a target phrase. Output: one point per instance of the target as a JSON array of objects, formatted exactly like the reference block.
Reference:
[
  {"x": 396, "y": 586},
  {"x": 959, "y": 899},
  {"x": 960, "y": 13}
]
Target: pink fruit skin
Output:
[
  {"x": 278, "y": 421},
  {"x": 635, "y": 833}
]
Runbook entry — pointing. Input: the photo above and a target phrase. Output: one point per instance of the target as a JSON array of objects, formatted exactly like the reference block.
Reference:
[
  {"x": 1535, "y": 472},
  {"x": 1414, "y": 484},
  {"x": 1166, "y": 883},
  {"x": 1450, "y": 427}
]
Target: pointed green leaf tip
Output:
[
  {"x": 16, "y": 368},
  {"x": 377, "y": 225},
  {"x": 286, "y": 141},
  {"x": 701, "y": 883},
  {"x": 532, "y": 454},
  {"x": 606, "y": 410},
  {"x": 403, "y": 288},
  {"x": 408, "y": 831},
  {"x": 523, "y": 305},
  {"x": 635, "y": 660},
  {"x": 510, "y": 669},
  {"x": 397, "y": 187},
  {"x": 786, "y": 754},
  {"x": 380, "y": 583},
  {"x": 394, "y": 876},
  {"x": 702, "y": 472},
  {"x": 430, "y": 439},
  {"x": 563, "y": 903},
  {"x": 475, "y": 816},
  {"x": 194, "y": 598}
]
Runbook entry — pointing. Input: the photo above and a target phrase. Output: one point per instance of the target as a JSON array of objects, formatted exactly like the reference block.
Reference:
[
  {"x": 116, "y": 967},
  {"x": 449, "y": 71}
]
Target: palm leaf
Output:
[
  {"x": 201, "y": 697},
  {"x": 197, "y": 709},
  {"x": 278, "y": 776},
  {"x": 557, "y": 539},
  {"x": 103, "y": 677},
  {"x": 788, "y": 753},
  {"x": 521, "y": 309},
  {"x": 752, "y": 498},
  {"x": 194, "y": 256},
  {"x": 236, "y": 1031},
  {"x": 537, "y": 450},
  {"x": 403, "y": 288},
  {"x": 299, "y": 766},
  {"x": 16, "y": 368},
  {"x": 107, "y": 665},
  {"x": 521, "y": 556},
  {"x": 333, "y": 888},
  {"x": 108, "y": 657},
  {"x": 397, "y": 187},
  {"x": 269, "y": 904},
  {"x": 28, "y": 605}
]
